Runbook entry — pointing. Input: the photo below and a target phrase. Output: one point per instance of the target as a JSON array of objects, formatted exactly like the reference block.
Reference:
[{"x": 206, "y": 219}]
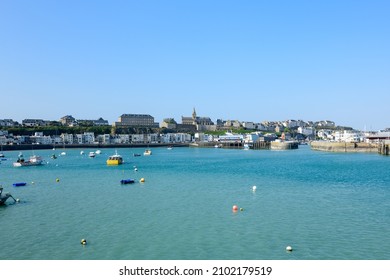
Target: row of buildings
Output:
[
  {"x": 192, "y": 123},
  {"x": 194, "y": 127},
  {"x": 349, "y": 136}
]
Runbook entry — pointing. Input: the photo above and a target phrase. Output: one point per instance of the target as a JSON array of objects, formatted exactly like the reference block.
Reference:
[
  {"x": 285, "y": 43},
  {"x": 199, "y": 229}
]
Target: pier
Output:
[
  {"x": 384, "y": 147},
  {"x": 344, "y": 147}
]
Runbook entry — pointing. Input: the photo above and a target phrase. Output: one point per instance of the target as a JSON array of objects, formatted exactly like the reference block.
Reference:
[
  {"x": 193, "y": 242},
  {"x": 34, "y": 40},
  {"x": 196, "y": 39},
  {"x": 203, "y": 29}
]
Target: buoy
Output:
[
  {"x": 135, "y": 169},
  {"x": 83, "y": 242},
  {"x": 254, "y": 188},
  {"x": 57, "y": 180},
  {"x": 18, "y": 200},
  {"x": 32, "y": 183},
  {"x": 142, "y": 180},
  {"x": 235, "y": 208},
  {"x": 289, "y": 249},
  {"x": 241, "y": 209}
]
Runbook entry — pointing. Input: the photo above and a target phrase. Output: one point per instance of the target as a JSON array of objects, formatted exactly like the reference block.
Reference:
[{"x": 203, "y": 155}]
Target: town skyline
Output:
[
  {"x": 104, "y": 121},
  {"x": 179, "y": 121}
]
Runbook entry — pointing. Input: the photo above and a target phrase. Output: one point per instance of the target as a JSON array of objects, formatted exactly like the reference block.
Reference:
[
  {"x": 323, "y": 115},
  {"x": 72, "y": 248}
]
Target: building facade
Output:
[{"x": 136, "y": 120}]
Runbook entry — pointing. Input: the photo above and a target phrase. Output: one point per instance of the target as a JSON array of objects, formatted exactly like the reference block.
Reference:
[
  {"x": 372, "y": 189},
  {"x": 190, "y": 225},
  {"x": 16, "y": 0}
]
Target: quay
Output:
[
  {"x": 384, "y": 147},
  {"x": 284, "y": 145},
  {"x": 344, "y": 147}
]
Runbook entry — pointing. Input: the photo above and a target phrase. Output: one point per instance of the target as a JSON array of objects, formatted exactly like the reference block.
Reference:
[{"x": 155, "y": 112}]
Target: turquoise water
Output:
[{"x": 325, "y": 205}]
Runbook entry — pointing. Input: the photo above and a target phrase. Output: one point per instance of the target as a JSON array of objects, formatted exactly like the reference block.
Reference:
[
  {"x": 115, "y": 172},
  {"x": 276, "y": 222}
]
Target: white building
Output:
[
  {"x": 249, "y": 125},
  {"x": 67, "y": 138},
  {"x": 306, "y": 130},
  {"x": 231, "y": 138},
  {"x": 349, "y": 136},
  {"x": 252, "y": 137},
  {"x": 137, "y": 138},
  {"x": 104, "y": 139}
]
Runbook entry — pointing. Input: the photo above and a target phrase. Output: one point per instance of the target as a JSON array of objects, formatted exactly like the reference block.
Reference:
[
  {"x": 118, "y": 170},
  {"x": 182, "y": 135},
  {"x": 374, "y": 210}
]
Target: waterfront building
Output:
[
  {"x": 175, "y": 138},
  {"x": 231, "y": 138},
  {"x": 379, "y": 136},
  {"x": 136, "y": 120},
  {"x": 104, "y": 139},
  {"x": 137, "y": 138},
  {"x": 86, "y": 138},
  {"x": 41, "y": 139},
  {"x": 67, "y": 138},
  {"x": 349, "y": 136},
  {"x": 202, "y": 137},
  {"x": 252, "y": 137}
]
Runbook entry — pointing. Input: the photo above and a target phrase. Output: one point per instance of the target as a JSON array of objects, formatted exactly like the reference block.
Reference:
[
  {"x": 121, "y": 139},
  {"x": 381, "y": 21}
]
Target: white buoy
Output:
[
  {"x": 135, "y": 169},
  {"x": 254, "y": 188},
  {"x": 289, "y": 249}
]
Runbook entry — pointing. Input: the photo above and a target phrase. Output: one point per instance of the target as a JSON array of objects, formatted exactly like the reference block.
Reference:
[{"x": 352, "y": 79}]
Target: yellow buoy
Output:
[
  {"x": 57, "y": 180},
  {"x": 83, "y": 242},
  {"x": 142, "y": 180}
]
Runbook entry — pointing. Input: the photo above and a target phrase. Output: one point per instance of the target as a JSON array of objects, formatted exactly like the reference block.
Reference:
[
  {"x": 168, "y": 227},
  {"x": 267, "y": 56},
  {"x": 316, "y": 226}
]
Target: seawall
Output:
[
  {"x": 288, "y": 145},
  {"x": 341, "y": 147}
]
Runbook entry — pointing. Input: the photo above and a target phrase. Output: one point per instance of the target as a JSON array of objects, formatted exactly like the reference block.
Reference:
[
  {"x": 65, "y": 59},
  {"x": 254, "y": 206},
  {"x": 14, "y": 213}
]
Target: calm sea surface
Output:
[{"x": 325, "y": 205}]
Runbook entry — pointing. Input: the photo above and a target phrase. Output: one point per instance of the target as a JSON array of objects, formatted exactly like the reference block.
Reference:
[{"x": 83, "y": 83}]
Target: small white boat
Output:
[
  {"x": 147, "y": 152},
  {"x": 91, "y": 154},
  {"x": 63, "y": 154},
  {"x": 98, "y": 152},
  {"x": 82, "y": 152},
  {"x": 170, "y": 148},
  {"x": 246, "y": 147}
]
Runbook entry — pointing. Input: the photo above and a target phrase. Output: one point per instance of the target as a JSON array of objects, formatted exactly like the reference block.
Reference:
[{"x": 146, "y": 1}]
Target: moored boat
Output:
[
  {"x": 91, "y": 154},
  {"x": 115, "y": 159},
  {"x": 127, "y": 181},
  {"x": 33, "y": 161},
  {"x": 147, "y": 152},
  {"x": 21, "y": 184}
]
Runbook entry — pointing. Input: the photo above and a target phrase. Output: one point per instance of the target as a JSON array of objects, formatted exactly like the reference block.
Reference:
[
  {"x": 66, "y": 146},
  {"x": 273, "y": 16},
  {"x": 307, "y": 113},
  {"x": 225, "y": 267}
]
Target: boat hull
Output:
[
  {"x": 127, "y": 181},
  {"x": 114, "y": 162},
  {"x": 27, "y": 163}
]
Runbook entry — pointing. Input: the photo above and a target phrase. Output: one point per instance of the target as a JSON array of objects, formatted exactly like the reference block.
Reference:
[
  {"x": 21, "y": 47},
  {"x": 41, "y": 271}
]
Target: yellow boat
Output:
[{"x": 115, "y": 160}]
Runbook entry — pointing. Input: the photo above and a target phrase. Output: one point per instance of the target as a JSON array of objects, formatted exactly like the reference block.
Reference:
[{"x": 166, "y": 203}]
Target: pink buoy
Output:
[{"x": 235, "y": 208}]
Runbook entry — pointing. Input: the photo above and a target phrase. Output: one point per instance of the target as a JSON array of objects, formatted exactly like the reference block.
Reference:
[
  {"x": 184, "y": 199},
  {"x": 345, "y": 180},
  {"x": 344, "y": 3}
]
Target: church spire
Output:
[{"x": 194, "y": 114}]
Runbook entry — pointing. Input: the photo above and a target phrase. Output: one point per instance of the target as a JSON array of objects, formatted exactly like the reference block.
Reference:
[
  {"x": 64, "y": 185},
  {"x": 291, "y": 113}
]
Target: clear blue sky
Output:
[{"x": 246, "y": 60}]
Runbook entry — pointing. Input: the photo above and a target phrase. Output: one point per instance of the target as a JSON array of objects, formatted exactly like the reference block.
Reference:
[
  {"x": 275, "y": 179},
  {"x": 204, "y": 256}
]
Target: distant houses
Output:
[{"x": 142, "y": 128}]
